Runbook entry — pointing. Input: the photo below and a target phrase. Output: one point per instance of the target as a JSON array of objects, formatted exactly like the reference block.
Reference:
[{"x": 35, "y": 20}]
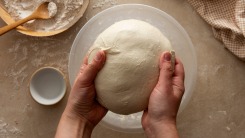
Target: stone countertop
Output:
[{"x": 216, "y": 108}]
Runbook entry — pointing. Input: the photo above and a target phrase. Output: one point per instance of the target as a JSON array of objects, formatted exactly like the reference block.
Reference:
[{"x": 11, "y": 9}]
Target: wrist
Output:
[
  {"x": 159, "y": 129},
  {"x": 74, "y": 127}
]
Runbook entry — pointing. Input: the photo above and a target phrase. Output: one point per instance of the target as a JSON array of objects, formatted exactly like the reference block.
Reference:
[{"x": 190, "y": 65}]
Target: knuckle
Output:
[
  {"x": 180, "y": 89},
  {"x": 167, "y": 66}
]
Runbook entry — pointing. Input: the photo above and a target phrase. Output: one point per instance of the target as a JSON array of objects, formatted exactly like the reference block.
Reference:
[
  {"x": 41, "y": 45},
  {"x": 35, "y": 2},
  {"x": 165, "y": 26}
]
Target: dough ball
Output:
[{"x": 131, "y": 71}]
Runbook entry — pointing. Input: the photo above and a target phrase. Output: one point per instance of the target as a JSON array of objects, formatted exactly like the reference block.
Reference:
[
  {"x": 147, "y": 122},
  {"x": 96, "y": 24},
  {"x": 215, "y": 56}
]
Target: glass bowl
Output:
[{"x": 165, "y": 23}]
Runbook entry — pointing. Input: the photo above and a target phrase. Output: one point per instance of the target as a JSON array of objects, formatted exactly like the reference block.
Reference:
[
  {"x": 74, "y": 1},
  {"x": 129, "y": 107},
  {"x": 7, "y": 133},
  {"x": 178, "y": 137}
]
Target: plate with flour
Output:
[
  {"x": 168, "y": 26},
  {"x": 68, "y": 13}
]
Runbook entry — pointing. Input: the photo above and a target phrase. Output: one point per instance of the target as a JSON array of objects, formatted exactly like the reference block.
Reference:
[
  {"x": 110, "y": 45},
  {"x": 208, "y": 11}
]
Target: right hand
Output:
[{"x": 165, "y": 99}]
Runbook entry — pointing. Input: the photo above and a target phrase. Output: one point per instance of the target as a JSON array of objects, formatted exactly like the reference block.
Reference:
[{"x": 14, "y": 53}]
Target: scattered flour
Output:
[
  {"x": 33, "y": 53},
  {"x": 228, "y": 128},
  {"x": 101, "y": 3},
  {"x": 205, "y": 71},
  {"x": 27, "y": 108},
  {"x": 52, "y": 9},
  {"x": 17, "y": 72},
  {"x": 18, "y": 75},
  {"x": 222, "y": 112},
  {"x": 6, "y": 130},
  {"x": 66, "y": 11}
]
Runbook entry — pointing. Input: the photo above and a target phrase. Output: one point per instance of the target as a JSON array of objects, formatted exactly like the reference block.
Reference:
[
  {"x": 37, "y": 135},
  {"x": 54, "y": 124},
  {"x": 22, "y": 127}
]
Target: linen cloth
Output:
[{"x": 227, "y": 18}]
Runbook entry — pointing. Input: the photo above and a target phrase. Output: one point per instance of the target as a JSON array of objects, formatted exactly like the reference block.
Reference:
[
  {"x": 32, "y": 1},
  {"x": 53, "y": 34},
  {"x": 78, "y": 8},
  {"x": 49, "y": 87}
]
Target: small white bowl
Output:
[{"x": 47, "y": 86}]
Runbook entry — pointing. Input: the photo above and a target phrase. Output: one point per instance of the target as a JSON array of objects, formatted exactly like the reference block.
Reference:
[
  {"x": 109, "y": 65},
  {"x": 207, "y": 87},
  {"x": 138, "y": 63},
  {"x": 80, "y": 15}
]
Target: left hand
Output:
[{"x": 83, "y": 112}]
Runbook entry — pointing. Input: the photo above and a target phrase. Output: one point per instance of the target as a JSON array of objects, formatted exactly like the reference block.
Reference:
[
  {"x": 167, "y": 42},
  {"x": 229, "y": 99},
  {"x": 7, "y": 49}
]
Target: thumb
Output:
[
  {"x": 166, "y": 72},
  {"x": 89, "y": 71}
]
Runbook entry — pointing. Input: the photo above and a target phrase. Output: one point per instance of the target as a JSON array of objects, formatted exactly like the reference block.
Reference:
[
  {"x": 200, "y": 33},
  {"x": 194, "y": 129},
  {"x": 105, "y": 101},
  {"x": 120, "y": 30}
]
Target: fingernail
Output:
[
  {"x": 173, "y": 59},
  {"x": 167, "y": 56},
  {"x": 98, "y": 56}
]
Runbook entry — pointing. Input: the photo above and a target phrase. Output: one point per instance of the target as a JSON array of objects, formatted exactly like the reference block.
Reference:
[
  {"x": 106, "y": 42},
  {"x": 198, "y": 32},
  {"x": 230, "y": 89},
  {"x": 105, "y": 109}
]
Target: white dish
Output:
[
  {"x": 165, "y": 23},
  {"x": 47, "y": 86}
]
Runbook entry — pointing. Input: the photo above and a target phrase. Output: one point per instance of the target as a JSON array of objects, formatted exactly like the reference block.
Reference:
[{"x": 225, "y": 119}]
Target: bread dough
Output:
[{"x": 131, "y": 71}]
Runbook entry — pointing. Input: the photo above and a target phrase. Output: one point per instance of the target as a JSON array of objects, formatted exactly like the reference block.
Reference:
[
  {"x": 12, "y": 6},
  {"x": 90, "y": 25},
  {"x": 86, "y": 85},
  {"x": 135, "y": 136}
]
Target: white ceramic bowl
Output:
[
  {"x": 47, "y": 86},
  {"x": 165, "y": 23}
]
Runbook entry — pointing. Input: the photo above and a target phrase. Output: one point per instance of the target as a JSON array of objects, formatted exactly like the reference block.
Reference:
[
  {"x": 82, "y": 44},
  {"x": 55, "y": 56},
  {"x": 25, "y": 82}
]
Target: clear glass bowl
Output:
[{"x": 165, "y": 23}]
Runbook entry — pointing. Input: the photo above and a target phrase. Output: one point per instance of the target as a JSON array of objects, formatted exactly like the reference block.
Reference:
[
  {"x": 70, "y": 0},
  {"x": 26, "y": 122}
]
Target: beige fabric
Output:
[{"x": 227, "y": 17}]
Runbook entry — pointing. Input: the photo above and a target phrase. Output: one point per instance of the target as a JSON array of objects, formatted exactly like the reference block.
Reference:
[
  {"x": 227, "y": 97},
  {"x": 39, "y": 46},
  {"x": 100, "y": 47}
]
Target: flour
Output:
[
  {"x": 52, "y": 9},
  {"x": 101, "y": 3},
  {"x": 27, "y": 108},
  {"x": 66, "y": 11},
  {"x": 7, "y": 130},
  {"x": 34, "y": 53}
]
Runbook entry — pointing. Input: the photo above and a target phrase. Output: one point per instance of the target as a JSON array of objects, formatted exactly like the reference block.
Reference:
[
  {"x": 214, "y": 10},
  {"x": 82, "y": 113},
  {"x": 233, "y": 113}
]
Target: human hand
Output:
[
  {"x": 83, "y": 112},
  {"x": 82, "y": 103},
  {"x": 159, "y": 120}
]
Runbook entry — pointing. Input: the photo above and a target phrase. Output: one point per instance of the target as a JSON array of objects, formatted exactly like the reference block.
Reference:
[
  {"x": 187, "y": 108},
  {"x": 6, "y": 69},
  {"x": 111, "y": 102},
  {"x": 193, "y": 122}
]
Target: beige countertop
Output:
[{"x": 216, "y": 108}]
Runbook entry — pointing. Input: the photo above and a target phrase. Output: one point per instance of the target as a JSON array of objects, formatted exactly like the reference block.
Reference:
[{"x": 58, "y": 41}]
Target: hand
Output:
[
  {"x": 159, "y": 120},
  {"x": 82, "y": 110},
  {"x": 82, "y": 103}
]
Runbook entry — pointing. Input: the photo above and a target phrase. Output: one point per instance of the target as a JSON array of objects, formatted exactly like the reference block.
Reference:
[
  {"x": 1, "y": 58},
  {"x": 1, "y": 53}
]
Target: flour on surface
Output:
[
  {"x": 101, "y": 3},
  {"x": 228, "y": 128},
  {"x": 18, "y": 75},
  {"x": 27, "y": 108},
  {"x": 7, "y": 130},
  {"x": 66, "y": 11},
  {"x": 33, "y": 52},
  {"x": 222, "y": 112},
  {"x": 52, "y": 9}
]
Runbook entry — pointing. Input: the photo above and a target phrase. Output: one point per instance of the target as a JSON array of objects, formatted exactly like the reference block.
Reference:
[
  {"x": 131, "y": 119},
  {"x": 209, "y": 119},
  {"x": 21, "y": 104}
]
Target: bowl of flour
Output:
[{"x": 68, "y": 13}]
